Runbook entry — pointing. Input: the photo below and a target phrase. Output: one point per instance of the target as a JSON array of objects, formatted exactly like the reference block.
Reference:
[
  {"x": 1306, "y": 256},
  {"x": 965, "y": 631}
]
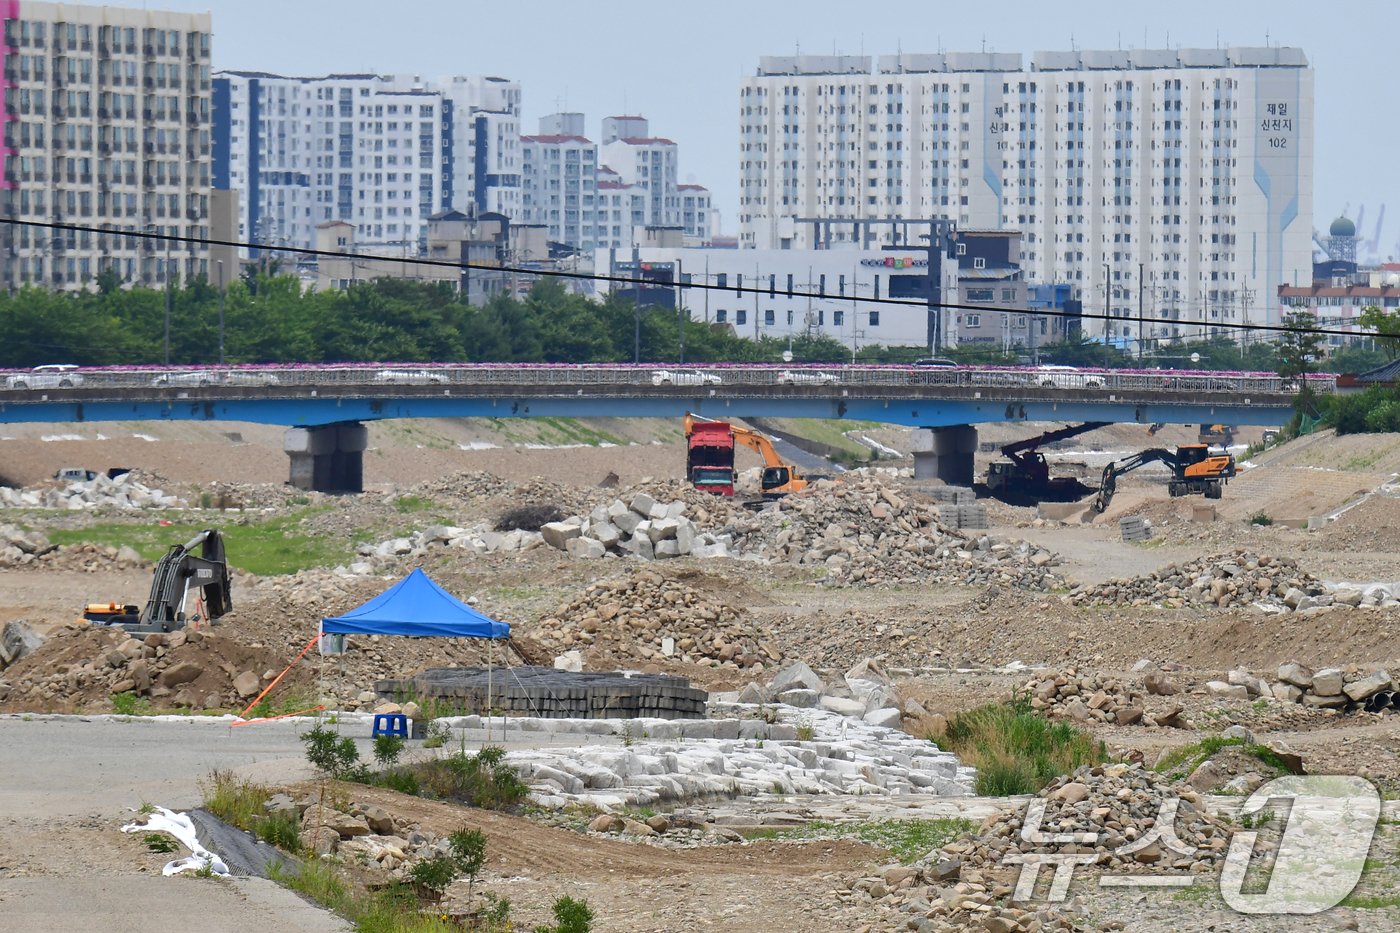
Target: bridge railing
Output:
[{"x": 780, "y": 378}]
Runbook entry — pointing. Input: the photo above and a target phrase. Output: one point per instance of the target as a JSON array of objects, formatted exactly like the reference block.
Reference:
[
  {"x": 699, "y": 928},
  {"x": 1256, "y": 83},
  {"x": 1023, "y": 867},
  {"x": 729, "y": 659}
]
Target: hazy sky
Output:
[{"x": 680, "y": 63}]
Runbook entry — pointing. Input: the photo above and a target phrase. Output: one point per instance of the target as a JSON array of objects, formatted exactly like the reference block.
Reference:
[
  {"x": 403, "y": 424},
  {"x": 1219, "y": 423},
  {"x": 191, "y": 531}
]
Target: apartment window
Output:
[
  {"x": 721, "y": 316},
  {"x": 838, "y": 318},
  {"x": 874, "y": 319},
  {"x": 973, "y": 320},
  {"x": 769, "y": 318},
  {"x": 741, "y": 317},
  {"x": 979, "y": 262}
]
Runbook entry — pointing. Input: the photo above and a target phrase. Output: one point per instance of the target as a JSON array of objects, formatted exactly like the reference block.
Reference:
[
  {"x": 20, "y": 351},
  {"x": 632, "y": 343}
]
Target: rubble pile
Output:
[
  {"x": 88, "y": 664},
  {"x": 1329, "y": 688},
  {"x": 478, "y": 539},
  {"x": 467, "y": 486},
  {"x": 640, "y": 526},
  {"x": 1115, "y": 818},
  {"x": 1085, "y": 697},
  {"x": 646, "y": 616},
  {"x": 20, "y": 548},
  {"x": 1238, "y": 579},
  {"x": 866, "y": 533},
  {"x": 123, "y": 492}
]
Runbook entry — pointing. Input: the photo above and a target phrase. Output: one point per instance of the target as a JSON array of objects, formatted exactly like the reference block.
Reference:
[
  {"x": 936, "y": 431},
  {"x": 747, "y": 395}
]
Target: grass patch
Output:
[
  {"x": 1260, "y": 518},
  {"x": 266, "y": 547},
  {"x": 1371, "y": 901},
  {"x": 831, "y": 433},
  {"x": 129, "y": 704},
  {"x": 409, "y": 504},
  {"x": 1016, "y": 750},
  {"x": 235, "y": 800},
  {"x": 1180, "y": 762},
  {"x": 907, "y": 840}
]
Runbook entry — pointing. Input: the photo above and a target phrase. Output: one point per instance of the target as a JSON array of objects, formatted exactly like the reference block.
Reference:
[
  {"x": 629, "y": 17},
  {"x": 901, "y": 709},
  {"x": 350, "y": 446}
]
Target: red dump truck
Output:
[{"x": 709, "y": 458}]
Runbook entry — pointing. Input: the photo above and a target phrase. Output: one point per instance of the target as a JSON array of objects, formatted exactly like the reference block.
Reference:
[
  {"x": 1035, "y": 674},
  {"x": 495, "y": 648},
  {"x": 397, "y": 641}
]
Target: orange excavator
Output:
[
  {"x": 1195, "y": 471},
  {"x": 710, "y": 458}
]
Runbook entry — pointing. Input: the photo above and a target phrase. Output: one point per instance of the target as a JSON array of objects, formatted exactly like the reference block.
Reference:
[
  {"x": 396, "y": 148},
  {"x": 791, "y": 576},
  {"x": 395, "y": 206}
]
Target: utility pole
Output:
[
  {"x": 169, "y": 298},
  {"x": 681, "y": 314}
]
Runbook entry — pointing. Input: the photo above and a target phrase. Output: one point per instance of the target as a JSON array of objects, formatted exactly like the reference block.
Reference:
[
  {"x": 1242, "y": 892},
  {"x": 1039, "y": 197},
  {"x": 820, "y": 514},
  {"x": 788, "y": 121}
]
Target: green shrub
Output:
[
  {"x": 433, "y": 876},
  {"x": 1016, "y": 750},
  {"x": 468, "y": 853},
  {"x": 281, "y": 829},
  {"x": 480, "y": 780},
  {"x": 570, "y": 916},
  {"x": 1260, "y": 518},
  {"x": 402, "y": 780},
  {"x": 387, "y": 749},
  {"x": 330, "y": 753},
  {"x": 129, "y": 704}
]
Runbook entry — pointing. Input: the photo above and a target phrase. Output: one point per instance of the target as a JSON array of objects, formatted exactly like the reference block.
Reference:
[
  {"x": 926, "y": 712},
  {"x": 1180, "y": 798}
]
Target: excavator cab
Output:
[{"x": 775, "y": 481}]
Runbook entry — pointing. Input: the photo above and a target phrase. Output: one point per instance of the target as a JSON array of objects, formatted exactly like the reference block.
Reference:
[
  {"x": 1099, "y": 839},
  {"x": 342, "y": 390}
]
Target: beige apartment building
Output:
[{"x": 106, "y": 117}]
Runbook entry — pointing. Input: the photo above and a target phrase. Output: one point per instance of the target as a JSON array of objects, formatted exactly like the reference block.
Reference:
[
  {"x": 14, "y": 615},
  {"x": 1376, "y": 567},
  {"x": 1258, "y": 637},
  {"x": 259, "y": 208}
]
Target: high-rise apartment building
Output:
[
  {"x": 344, "y": 147},
  {"x": 559, "y": 180},
  {"x": 106, "y": 117},
  {"x": 649, "y": 162},
  {"x": 382, "y": 152},
  {"x": 1178, "y": 181}
]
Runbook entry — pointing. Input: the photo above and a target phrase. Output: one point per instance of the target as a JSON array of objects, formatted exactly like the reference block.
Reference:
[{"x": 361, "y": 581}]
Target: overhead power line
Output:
[{"x": 704, "y": 286}]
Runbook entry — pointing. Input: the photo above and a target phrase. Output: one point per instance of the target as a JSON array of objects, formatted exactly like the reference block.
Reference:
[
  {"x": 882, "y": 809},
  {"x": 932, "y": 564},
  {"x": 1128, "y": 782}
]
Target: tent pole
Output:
[{"x": 489, "y": 654}]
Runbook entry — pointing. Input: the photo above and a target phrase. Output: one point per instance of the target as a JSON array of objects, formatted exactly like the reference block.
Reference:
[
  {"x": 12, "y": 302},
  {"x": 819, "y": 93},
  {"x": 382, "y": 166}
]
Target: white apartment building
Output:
[
  {"x": 1181, "y": 178},
  {"x": 559, "y": 180},
  {"x": 382, "y": 152},
  {"x": 649, "y": 162},
  {"x": 106, "y": 117},
  {"x": 697, "y": 214},
  {"x": 620, "y": 209}
]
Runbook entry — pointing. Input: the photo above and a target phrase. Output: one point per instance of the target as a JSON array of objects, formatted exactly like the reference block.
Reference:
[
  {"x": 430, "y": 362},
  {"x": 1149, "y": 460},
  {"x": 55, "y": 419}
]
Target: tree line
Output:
[{"x": 270, "y": 318}]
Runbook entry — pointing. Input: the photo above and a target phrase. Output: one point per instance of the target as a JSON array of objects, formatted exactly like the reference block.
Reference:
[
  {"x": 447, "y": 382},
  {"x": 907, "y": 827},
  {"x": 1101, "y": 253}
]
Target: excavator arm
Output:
[
  {"x": 178, "y": 571},
  {"x": 779, "y": 477},
  {"x": 1109, "y": 483}
]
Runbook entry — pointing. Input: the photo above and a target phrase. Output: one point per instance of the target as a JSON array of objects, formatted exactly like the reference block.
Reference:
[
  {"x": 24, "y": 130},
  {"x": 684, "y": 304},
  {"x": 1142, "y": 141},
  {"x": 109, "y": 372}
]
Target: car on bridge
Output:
[
  {"x": 409, "y": 377},
  {"x": 247, "y": 378},
  {"x": 48, "y": 376},
  {"x": 1067, "y": 377},
  {"x": 790, "y": 378},
  {"x": 664, "y": 377},
  {"x": 199, "y": 377}
]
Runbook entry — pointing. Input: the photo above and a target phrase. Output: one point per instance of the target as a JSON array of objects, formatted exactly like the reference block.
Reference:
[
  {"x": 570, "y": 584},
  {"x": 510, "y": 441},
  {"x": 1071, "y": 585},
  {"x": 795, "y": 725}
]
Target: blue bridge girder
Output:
[{"x": 912, "y": 396}]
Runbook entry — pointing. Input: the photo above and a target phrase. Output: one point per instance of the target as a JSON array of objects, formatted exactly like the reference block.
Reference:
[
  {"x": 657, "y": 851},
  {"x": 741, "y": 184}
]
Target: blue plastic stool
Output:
[{"x": 390, "y": 724}]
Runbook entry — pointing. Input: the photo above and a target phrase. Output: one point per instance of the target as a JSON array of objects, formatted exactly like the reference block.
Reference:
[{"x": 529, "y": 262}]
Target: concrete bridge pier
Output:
[
  {"x": 328, "y": 457},
  {"x": 945, "y": 453}
]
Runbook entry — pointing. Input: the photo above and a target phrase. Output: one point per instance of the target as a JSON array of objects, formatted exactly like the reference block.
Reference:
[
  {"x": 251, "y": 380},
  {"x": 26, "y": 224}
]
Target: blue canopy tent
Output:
[{"x": 418, "y": 607}]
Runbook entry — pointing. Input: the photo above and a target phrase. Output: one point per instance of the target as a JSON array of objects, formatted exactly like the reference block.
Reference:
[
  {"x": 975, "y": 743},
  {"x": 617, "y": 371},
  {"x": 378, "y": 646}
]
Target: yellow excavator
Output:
[{"x": 710, "y": 458}]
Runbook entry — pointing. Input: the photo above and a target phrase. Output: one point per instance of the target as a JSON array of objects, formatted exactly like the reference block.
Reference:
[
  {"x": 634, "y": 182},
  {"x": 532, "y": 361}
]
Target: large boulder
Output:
[
  {"x": 1367, "y": 686},
  {"x": 559, "y": 534},
  {"x": 866, "y": 677},
  {"x": 17, "y": 640},
  {"x": 1327, "y": 682},
  {"x": 182, "y": 673},
  {"x": 796, "y": 675}
]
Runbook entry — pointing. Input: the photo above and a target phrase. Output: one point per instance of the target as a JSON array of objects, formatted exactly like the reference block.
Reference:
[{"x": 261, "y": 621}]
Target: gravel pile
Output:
[
  {"x": 1238, "y": 579},
  {"x": 469, "y": 486},
  {"x": 1115, "y": 818},
  {"x": 1085, "y": 697},
  {"x": 868, "y": 534},
  {"x": 648, "y": 616}
]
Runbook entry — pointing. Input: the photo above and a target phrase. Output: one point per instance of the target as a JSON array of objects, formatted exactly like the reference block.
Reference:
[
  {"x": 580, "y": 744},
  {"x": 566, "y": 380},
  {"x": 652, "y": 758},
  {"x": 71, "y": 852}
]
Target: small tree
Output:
[
  {"x": 469, "y": 853},
  {"x": 329, "y": 752},
  {"x": 1386, "y": 328},
  {"x": 1299, "y": 345},
  {"x": 570, "y": 916}
]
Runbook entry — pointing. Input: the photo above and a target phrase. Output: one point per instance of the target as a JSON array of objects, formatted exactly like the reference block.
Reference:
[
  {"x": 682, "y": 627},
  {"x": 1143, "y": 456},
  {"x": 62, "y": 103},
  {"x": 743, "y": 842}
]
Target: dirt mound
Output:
[{"x": 81, "y": 667}]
